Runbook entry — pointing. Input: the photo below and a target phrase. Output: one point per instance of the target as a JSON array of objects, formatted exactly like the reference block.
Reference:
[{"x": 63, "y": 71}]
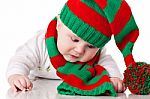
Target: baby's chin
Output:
[{"x": 67, "y": 58}]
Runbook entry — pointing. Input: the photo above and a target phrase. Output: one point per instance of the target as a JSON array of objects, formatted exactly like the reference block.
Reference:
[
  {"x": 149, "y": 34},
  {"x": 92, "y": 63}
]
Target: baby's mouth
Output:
[{"x": 73, "y": 56}]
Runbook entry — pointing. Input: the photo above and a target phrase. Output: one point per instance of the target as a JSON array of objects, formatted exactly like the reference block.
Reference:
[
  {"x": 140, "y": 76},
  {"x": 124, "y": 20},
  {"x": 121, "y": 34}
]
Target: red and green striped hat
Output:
[{"x": 95, "y": 21}]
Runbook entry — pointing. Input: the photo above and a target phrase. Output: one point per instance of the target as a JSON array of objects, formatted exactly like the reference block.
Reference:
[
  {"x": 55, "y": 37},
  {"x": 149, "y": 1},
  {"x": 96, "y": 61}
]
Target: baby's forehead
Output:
[
  {"x": 71, "y": 33},
  {"x": 74, "y": 35}
]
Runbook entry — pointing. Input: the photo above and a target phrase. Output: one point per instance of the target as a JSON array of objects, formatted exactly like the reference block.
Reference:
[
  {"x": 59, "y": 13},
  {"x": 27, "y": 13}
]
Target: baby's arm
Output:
[
  {"x": 27, "y": 57},
  {"x": 110, "y": 65}
]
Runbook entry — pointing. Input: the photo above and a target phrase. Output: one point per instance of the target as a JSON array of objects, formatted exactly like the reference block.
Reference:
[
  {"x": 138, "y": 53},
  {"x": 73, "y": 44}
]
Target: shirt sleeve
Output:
[
  {"x": 109, "y": 64},
  {"x": 27, "y": 56}
]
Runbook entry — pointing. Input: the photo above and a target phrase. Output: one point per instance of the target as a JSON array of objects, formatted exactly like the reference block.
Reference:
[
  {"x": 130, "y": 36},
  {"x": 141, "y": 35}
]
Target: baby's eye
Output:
[
  {"x": 74, "y": 39},
  {"x": 91, "y": 46}
]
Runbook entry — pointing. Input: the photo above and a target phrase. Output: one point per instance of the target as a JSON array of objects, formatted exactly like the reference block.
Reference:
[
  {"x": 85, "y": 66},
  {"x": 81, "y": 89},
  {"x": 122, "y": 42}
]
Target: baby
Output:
[
  {"x": 33, "y": 56},
  {"x": 81, "y": 31}
]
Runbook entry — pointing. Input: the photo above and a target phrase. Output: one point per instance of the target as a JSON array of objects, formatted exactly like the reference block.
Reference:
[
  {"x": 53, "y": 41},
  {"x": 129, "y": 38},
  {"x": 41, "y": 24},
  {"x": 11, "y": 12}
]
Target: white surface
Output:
[
  {"x": 47, "y": 89},
  {"x": 20, "y": 19}
]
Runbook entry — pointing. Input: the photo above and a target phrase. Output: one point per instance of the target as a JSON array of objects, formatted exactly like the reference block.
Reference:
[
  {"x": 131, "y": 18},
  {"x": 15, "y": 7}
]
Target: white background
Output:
[{"x": 21, "y": 19}]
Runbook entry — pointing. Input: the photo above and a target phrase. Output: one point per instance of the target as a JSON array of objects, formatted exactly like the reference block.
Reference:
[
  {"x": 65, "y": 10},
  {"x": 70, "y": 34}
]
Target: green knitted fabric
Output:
[
  {"x": 95, "y": 21},
  {"x": 78, "y": 78}
]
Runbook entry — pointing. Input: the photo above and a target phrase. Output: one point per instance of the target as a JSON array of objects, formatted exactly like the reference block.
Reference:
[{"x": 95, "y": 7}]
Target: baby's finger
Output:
[
  {"x": 120, "y": 87},
  {"x": 115, "y": 85},
  {"x": 124, "y": 88},
  {"x": 29, "y": 84},
  {"x": 13, "y": 87},
  {"x": 18, "y": 85},
  {"x": 23, "y": 82}
]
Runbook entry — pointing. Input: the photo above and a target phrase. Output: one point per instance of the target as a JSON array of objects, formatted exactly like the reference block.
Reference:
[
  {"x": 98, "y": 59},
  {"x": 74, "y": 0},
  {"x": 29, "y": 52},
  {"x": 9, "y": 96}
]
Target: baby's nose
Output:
[{"x": 80, "y": 49}]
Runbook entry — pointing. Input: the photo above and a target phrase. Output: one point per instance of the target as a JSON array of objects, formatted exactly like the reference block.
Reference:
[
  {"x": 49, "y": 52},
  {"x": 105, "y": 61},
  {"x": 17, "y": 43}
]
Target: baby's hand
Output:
[
  {"x": 118, "y": 84},
  {"x": 20, "y": 82}
]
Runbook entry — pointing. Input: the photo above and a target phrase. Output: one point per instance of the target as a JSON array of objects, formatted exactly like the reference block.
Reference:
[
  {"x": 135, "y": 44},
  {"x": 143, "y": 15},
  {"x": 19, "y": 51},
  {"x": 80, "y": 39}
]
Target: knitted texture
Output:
[
  {"x": 78, "y": 78},
  {"x": 86, "y": 20},
  {"x": 137, "y": 78},
  {"x": 95, "y": 21}
]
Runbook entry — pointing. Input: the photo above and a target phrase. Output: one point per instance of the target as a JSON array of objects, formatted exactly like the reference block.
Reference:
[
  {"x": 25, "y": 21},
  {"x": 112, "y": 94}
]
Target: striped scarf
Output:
[{"x": 78, "y": 78}]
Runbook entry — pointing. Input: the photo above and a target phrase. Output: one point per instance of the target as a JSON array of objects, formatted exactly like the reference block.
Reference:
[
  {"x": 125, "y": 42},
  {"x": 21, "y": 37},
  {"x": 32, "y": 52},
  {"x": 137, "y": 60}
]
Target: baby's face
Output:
[{"x": 72, "y": 47}]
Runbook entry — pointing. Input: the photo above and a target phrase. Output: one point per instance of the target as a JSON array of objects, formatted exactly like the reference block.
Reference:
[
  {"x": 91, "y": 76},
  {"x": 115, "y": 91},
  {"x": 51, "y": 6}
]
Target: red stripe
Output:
[
  {"x": 62, "y": 76},
  {"x": 80, "y": 63},
  {"x": 131, "y": 37},
  {"x": 99, "y": 69},
  {"x": 101, "y": 3},
  {"x": 95, "y": 59},
  {"x": 121, "y": 18},
  {"x": 77, "y": 82},
  {"x": 92, "y": 71},
  {"x": 90, "y": 16},
  {"x": 54, "y": 60},
  {"x": 51, "y": 30},
  {"x": 96, "y": 71},
  {"x": 128, "y": 60}
]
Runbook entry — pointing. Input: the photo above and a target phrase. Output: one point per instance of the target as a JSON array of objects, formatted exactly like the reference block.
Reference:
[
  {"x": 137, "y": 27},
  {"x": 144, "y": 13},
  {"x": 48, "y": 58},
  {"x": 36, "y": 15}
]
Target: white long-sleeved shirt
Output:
[{"x": 32, "y": 58}]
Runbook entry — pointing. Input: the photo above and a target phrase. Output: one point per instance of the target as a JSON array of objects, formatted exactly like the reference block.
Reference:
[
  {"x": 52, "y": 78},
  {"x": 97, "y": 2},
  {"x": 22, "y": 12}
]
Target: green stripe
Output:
[
  {"x": 129, "y": 27},
  {"x": 52, "y": 48},
  {"x": 66, "y": 89},
  {"x": 97, "y": 78},
  {"x": 81, "y": 28},
  {"x": 80, "y": 72},
  {"x": 128, "y": 49},
  {"x": 76, "y": 70},
  {"x": 94, "y": 6},
  {"x": 112, "y": 8}
]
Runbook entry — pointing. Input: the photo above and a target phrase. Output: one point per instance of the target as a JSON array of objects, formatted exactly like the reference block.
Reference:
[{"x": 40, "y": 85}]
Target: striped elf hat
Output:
[{"x": 95, "y": 21}]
